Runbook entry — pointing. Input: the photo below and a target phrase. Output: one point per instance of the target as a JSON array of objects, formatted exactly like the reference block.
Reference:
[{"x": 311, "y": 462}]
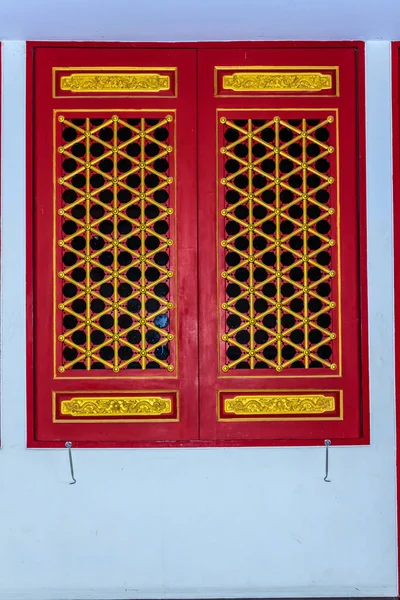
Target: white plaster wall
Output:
[
  {"x": 170, "y": 20},
  {"x": 197, "y": 523}
]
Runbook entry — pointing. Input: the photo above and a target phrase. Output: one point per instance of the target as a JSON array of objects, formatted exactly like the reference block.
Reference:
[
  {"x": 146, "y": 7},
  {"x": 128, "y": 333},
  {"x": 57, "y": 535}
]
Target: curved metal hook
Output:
[
  {"x": 327, "y": 444},
  {"x": 71, "y": 464}
]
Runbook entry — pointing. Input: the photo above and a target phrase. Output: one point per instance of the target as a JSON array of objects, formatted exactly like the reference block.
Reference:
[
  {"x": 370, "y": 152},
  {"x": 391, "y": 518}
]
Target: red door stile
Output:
[
  {"x": 281, "y": 256},
  {"x": 113, "y": 258}
]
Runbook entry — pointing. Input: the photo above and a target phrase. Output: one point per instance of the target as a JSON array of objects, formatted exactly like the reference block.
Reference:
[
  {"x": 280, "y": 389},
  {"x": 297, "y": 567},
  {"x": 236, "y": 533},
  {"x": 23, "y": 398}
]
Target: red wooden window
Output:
[
  {"x": 280, "y": 255},
  {"x": 122, "y": 181},
  {"x": 113, "y": 258}
]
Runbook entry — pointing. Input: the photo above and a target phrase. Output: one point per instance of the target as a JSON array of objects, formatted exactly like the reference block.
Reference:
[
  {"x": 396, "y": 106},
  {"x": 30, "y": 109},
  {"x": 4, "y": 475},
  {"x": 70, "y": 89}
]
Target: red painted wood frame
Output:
[
  {"x": 41, "y": 430},
  {"x": 396, "y": 235},
  {"x": 282, "y": 245},
  {"x": 115, "y": 344}
]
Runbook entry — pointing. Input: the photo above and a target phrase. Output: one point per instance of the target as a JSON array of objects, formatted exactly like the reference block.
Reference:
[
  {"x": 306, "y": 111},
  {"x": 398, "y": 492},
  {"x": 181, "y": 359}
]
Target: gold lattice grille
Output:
[
  {"x": 278, "y": 229},
  {"x": 115, "y": 301}
]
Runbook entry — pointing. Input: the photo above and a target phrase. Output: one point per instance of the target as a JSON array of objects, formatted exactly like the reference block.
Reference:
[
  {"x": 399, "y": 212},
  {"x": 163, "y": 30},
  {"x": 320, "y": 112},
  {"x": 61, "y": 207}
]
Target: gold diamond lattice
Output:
[
  {"x": 114, "y": 180},
  {"x": 278, "y": 246}
]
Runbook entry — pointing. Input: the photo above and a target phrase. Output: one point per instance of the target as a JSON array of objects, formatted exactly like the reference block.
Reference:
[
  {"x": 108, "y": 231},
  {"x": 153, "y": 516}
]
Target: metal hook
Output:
[
  {"x": 327, "y": 444},
  {"x": 71, "y": 464}
]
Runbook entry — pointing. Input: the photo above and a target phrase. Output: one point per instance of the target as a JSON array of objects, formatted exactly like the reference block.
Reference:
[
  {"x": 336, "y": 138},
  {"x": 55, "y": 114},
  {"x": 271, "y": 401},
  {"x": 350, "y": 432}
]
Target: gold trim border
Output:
[
  {"x": 118, "y": 395},
  {"x": 175, "y": 373},
  {"x": 284, "y": 69},
  {"x": 338, "y": 373},
  {"x": 111, "y": 70},
  {"x": 280, "y": 393}
]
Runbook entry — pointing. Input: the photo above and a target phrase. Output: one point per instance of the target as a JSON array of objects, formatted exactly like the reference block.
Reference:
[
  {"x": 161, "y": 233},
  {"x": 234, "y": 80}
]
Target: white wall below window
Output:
[{"x": 197, "y": 523}]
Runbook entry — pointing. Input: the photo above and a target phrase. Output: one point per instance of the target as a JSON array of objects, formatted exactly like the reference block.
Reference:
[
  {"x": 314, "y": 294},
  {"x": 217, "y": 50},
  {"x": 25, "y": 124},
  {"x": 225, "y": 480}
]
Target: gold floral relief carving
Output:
[
  {"x": 277, "y": 81},
  {"x": 273, "y": 405},
  {"x": 114, "y": 406},
  {"x": 115, "y": 82}
]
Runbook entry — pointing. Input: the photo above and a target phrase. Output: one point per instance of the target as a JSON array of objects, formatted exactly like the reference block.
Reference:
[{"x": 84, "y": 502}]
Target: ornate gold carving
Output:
[
  {"x": 115, "y": 82},
  {"x": 277, "y": 405},
  {"x": 144, "y": 406},
  {"x": 131, "y": 337},
  {"x": 292, "y": 335},
  {"x": 264, "y": 81}
]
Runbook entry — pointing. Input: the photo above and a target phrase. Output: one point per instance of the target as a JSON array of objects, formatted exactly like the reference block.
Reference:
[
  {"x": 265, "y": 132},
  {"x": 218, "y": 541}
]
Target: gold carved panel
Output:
[
  {"x": 267, "y": 81},
  {"x": 275, "y": 404},
  {"x": 116, "y": 406},
  {"x": 115, "y": 82}
]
